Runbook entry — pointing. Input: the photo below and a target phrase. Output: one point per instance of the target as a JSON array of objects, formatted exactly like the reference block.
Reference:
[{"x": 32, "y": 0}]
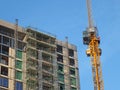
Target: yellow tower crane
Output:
[{"x": 92, "y": 40}]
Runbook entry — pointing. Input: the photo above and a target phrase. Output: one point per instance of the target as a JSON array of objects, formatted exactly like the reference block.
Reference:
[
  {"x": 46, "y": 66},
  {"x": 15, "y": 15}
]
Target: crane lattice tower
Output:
[{"x": 92, "y": 40}]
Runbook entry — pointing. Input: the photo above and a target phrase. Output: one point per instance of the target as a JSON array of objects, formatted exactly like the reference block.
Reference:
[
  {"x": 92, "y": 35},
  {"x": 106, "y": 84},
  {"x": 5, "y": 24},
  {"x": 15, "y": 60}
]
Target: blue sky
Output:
[{"x": 69, "y": 18}]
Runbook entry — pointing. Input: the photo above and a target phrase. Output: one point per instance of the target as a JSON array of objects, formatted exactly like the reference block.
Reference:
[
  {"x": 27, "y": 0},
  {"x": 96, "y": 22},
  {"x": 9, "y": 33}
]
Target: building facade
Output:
[{"x": 35, "y": 60}]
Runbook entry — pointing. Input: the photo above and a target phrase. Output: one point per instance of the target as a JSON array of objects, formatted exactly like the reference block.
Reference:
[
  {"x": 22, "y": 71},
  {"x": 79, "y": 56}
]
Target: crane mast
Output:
[{"x": 92, "y": 40}]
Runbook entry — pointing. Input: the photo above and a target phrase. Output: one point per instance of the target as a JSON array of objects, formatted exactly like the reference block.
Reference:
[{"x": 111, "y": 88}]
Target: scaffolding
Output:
[{"x": 41, "y": 55}]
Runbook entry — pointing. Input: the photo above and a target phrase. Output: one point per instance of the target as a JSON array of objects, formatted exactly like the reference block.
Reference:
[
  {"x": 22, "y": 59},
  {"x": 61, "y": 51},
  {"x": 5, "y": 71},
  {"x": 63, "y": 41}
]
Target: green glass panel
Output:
[
  {"x": 60, "y": 68},
  {"x": 72, "y": 88},
  {"x": 19, "y": 54},
  {"x": 18, "y": 64},
  {"x": 19, "y": 75},
  {"x": 61, "y": 77},
  {"x": 73, "y": 81}
]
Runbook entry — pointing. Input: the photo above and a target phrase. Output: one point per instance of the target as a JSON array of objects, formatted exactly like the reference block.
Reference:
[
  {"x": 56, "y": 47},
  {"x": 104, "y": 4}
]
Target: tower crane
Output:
[{"x": 92, "y": 40}]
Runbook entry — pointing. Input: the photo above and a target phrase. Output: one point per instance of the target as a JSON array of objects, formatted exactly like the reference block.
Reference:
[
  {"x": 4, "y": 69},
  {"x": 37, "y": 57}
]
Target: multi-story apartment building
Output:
[
  {"x": 35, "y": 60},
  {"x": 67, "y": 66}
]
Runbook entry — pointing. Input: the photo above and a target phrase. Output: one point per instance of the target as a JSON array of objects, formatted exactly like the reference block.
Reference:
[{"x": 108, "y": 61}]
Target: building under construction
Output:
[{"x": 35, "y": 60}]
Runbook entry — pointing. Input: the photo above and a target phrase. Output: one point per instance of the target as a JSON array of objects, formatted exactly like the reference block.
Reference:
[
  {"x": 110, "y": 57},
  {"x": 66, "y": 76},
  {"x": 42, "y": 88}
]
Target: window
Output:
[
  {"x": 73, "y": 81},
  {"x": 19, "y": 54},
  {"x": 71, "y": 62},
  {"x": 18, "y": 64},
  {"x": 3, "y": 82},
  {"x": 0, "y": 48},
  {"x": 19, "y": 75},
  {"x": 18, "y": 85},
  {"x": 59, "y": 49},
  {"x": 4, "y": 70},
  {"x": 4, "y": 59},
  {"x": 60, "y": 58},
  {"x": 6, "y": 40},
  {"x": 61, "y": 86},
  {"x": 12, "y": 43},
  {"x": 6, "y": 31},
  {"x": 60, "y": 68},
  {"x": 72, "y": 71},
  {"x": 61, "y": 77},
  {"x": 0, "y": 39},
  {"x": 5, "y": 50},
  {"x": 71, "y": 52}
]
